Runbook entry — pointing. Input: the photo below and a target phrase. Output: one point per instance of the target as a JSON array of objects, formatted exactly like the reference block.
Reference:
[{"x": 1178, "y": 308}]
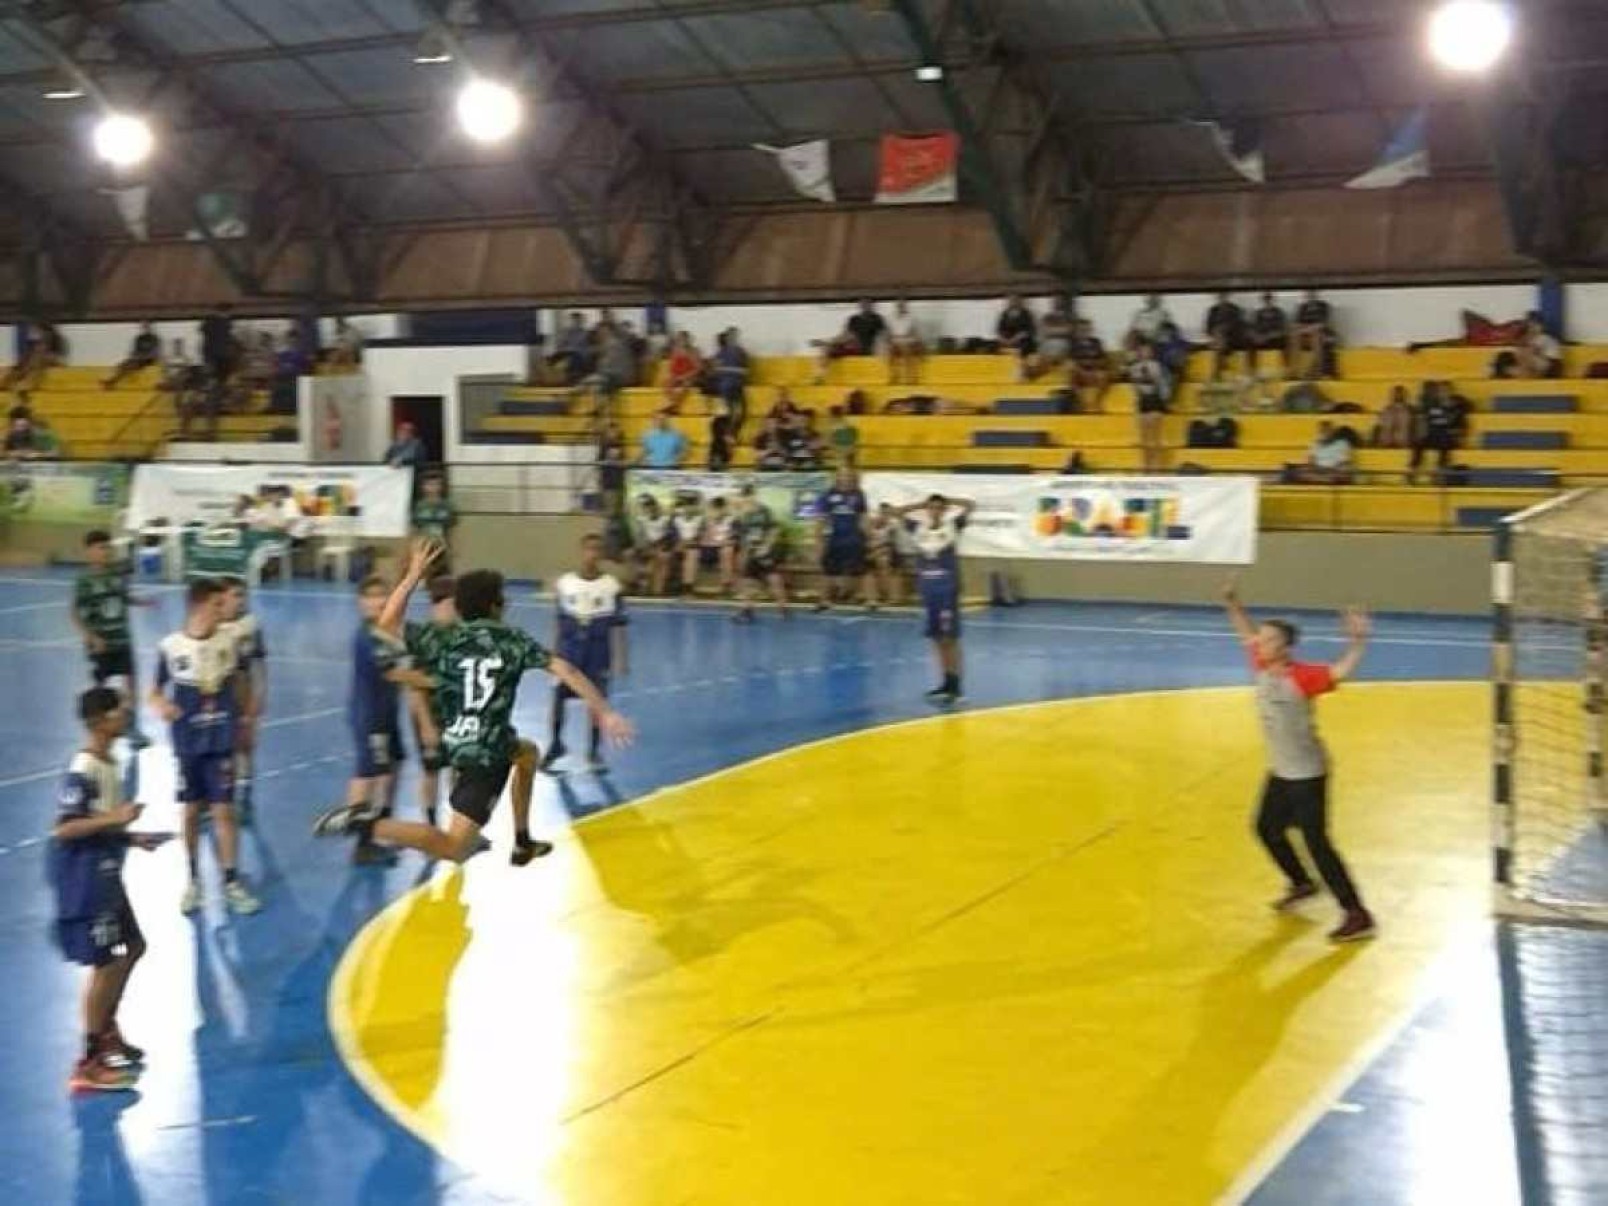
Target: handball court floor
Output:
[{"x": 811, "y": 943}]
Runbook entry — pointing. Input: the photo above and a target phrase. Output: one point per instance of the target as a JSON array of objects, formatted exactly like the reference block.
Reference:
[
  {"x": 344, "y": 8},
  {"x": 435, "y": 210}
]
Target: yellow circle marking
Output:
[{"x": 1011, "y": 955}]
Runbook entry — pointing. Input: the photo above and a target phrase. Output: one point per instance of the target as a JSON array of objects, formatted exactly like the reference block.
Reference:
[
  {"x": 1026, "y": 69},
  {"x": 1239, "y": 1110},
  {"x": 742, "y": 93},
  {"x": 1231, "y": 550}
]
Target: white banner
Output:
[
  {"x": 1182, "y": 519},
  {"x": 371, "y": 500}
]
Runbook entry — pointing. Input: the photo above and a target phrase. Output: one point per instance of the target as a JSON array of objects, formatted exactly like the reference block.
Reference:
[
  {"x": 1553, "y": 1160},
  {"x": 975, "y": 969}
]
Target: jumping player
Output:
[
  {"x": 841, "y": 535},
  {"x": 243, "y": 628},
  {"x": 94, "y": 924},
  {"x": 477, "y": 669},
  {"x": 200, "y": 693},
  {"x": 421, "y": 641},
  {"x": 758, "y": 537},
  {"x": 1296, "y": 794},
  {"x": 935, "y": 536},
  {"x": 101, "y": 600},
  {"x": 591, "y": 637}
]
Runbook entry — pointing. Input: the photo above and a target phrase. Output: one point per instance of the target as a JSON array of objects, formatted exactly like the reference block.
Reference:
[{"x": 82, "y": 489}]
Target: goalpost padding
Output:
[{"x": 1550, "y": 685}]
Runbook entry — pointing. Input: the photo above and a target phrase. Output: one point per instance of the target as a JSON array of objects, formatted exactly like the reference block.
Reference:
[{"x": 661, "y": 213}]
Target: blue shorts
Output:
[
  {"x": 379, "y": 749},
  {"x": 96, "y": 941},
  {"x": 943, "y": 614},
  {"x": 206, "y": 778}
]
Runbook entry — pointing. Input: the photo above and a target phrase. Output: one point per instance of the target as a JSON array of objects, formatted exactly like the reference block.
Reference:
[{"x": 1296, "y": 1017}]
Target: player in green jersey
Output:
[
  {"x": 434, "y": 517},
  {"x": 101, "y": 600},
  {"x": 423, "y": 641},
  {"x": 759, "y": 554},
  {"x": 476, "y": 665}
]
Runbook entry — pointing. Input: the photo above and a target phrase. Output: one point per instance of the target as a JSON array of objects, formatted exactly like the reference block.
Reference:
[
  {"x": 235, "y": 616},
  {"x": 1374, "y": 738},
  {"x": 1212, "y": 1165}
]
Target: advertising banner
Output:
[
  {"x": 372, "y": 501},
  {"x": 1207, "y": 519},
  {"x": 52, "y": 492},
  {"x": 791, "y": 497}
]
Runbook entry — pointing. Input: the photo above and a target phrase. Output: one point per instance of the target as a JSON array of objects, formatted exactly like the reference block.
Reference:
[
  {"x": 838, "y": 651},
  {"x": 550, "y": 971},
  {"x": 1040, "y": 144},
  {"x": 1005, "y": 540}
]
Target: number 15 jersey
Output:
[{"x": 477, "y": 666}]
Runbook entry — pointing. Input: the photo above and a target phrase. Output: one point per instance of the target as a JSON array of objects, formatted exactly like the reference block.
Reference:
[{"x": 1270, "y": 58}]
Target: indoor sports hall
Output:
[{"x": 820, "y": 602}]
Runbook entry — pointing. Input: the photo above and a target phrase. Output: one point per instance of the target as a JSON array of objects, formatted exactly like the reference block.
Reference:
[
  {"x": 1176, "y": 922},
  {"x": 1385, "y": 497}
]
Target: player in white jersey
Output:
[
  {"x": 716, "y": 548},
  {"x": 652, "y": 541},
  {"x": 245, "y": 630},
  {"x": 686, "y": 532},
  {"x": 589, "y": 635}
]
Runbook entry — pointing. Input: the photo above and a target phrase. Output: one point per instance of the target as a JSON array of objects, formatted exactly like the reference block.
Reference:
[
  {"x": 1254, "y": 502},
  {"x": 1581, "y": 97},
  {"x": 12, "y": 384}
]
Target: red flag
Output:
[{"x": 918, "y": 169}]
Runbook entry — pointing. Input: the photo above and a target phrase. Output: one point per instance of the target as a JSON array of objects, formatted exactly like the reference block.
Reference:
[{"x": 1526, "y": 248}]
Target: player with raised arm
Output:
[
  {"x": 1296, "y": 793},
  {"x": 101, "y": 602},
  {"x": 201, "y": 694},
  {"x": 95, "y": 926},
  {"x": 935, "y": 537},
  {"x": 242, "y": 627},
  {"x": 591, "y": 625},
  {"x": 477, "y": 668},
  {"x": 421, "y": 640}
]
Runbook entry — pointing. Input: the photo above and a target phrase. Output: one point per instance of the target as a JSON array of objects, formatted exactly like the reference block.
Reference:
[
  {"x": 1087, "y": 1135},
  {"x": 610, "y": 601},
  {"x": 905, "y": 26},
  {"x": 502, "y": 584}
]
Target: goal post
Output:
[{"x": 1549, "y": 672}]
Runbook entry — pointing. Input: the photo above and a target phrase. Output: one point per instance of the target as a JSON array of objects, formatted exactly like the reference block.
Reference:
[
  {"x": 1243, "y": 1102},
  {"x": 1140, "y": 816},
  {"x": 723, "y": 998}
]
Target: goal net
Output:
[{"x": 1550, "y": 675}]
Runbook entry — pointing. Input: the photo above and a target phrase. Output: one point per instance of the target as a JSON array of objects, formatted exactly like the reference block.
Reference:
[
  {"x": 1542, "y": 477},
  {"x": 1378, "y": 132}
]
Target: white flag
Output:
[
  {"x": 133, "y": 206},
  {"x": 808, "y": 167},
  {"x": 1405, "y": 158}
]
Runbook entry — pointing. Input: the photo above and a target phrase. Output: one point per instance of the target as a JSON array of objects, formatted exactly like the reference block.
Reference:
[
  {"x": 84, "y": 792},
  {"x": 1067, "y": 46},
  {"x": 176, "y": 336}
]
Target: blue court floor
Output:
[{"x": 246, "y": 1100}]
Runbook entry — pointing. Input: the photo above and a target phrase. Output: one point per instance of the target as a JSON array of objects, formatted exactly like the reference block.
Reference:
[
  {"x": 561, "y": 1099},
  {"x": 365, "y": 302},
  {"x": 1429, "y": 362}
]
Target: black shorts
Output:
[
  {"x": 843, "y": 560},
  {"x": 1152, "y": 405},
  {"x": 114, "y": 663},
  {"x": 760, "y": 565},
  {"x": 96, "y": 941},
  {"x": 476, "y": 790},
  {"x": 709, "y": 556}
]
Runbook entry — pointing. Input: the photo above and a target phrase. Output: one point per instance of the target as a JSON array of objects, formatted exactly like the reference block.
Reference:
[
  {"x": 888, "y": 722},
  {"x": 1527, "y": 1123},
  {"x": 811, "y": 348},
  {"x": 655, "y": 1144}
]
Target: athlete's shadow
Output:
[{"x": 104, "y": 1175}]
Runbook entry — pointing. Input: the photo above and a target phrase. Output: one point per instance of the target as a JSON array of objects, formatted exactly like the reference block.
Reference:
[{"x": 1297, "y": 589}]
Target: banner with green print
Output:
[
  {"x": 86, "y": 494},
  {"x": 791, "y": 497}
]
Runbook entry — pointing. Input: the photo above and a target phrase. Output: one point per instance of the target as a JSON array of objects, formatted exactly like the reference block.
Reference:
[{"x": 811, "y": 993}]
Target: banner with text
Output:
[
  {"x": 1189, "y": 519},
  {"x": 370, "y": 500},
  {"x": 51, "y": 492},
  {"x": 791, "y": 497}
]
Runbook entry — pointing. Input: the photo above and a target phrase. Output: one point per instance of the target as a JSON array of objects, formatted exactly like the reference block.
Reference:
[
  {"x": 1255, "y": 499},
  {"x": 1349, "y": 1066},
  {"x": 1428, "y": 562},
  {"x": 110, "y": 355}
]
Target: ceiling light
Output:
[
  {"x": 488, "y": 111},
  {"x": 929, "y": 73},
  {"x": 1470, "y": 35},
  {"x": 434, "y": 47},
  {"x": 123, "y": 140}
]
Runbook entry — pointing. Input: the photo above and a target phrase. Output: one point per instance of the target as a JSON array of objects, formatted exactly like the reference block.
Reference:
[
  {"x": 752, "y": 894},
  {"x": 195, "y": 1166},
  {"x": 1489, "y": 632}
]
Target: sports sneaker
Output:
[
  {"x": 1293, "y": 896},
  {"x": 239, "y": 899},
  {"x": 113, "y": 1046},
  {"x": 1357, "y": 926},
  {"x": 97, "y": 1076},
  {"x": 596, "y": 766},
  {"x": 191, "y": 900},
  {"x": 340, "y": 821},
  {"x": 524, "y": 852},
  {"x": 554, "y": 753}
]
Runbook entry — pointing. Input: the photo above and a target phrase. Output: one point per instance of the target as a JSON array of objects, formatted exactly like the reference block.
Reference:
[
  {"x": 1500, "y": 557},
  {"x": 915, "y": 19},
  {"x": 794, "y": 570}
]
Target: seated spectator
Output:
[
  {"x": 145, "y": 351},
  {"x": 1057, "y": 333},
  {"x": 22, "y": 441},
  {"x": 803, "y": 443},
  {"x": 1172, "y": 349},
  {"x": 653, "y": 541},
  {"x": 1539, "y": 355},
  {"x": 770, "y": 446},
  {"x": 1091, "y": 368},
  {"x": 722, "y": 447},
  {"x": 1226, "y": 332},
  {"x": 1152, "y": 388},
  {"x": 1017, "y": 331},
  {"x": 1270, "y": 330},
  {"x": 862, "y": 335},
  {"x": 1313, "y": 343},
  {"x": 1506, "y": 366},
  {"x": 347, "y": 350},
  {"x": 663, "y": 447},
  {"x": 844, "y": 438},
  {"x": 784, "y": 409},
  {"x": 905, "y": 348},
  {"x": 682, "y": 371},
  {"x": 572, "y": 355},
  {"x": 1395, "y": 426},
  {"x": 1441, "y": 423},
  {"x": 1329, "y": 460},
  {"x": 731, "y": 378},
  {"x": 1149, "y": 319}
]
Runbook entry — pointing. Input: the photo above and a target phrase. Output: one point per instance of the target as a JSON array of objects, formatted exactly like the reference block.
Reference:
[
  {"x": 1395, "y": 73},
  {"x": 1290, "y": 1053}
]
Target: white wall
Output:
[
  {"x": 280, "y": 454},
  {"x": 400, "y": 371},
  {"x": 108, "y": 342}
]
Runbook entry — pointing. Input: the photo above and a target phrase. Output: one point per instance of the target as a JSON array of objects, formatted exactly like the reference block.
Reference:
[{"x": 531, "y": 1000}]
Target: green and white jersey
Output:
[
  {"x": 100, "y": 601},
  {"x": 754, "y": 528},
  {"x": 477, "y": 667},
  {"x": 423, "y": 643},
  {"x": 434, "y": 519}
]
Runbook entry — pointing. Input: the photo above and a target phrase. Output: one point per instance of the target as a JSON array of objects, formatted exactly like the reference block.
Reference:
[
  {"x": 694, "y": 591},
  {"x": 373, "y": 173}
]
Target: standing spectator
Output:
[
  {"x": 1270, "y": 330},
  {"x": 218, "y": 344},
  {"x": 616, "y": 362},
  {"x": 844, "y": 438},
  {"x": 1395, "y": 426},
  {"x": 145, "y": 351},
  {"x": 1329, "y": 460},
  {"x": 1058, "y": 334},
  {"x": 657, "y": 344},
  {"x": 1225, "y": 332},
  {"x": 663, "y": 447},
  {"x": 261, "y": 363},
  {"x": 1017, "y": 331},
  {"x": 1153, "y": 391},
  {"x": 1091, "y": 369},
  {"x": 573, "y": 353},
  {"x": 611, "y": 468},
  {"x": 1172, "y": 349},
  {"x": 1313, "y": 344},
  {"x": 682, "y": 370},
  {"x": 731, "y": 378},
  {"x": 721, "y": 445},
  {"x": 42, "y": 347},
  {"x": 407, "y": 451},
  {"x": 1442, "y": 420},
  {"x": 291, "y": 362},
  {"x": 1539, "y": 354},
  {"x": 904, "y": 347},
  {"x": 1150, "y": 318}
]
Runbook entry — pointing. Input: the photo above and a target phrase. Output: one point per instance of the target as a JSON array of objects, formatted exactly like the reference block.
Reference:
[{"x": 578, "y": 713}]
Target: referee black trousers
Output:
[{"x": 1303, "y": 804}]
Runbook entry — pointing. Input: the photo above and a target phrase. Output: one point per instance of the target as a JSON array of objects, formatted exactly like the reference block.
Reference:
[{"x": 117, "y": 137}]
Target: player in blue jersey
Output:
[
  {"x": 201, "y": 694},
  {"x": 590, "y": 637},
  {"x": 840, "y": 531},
  {"x": 935, "y": 537},
  {"x": 251, "y": 646},
  {"x": 95, "y": 926}
]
